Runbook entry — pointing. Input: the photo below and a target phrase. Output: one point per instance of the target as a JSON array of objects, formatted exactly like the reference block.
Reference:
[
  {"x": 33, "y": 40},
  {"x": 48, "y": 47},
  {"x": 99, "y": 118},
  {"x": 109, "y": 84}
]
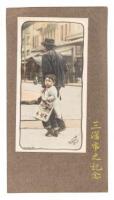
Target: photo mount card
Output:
[
  {"x": 73, "y": 60},
  {"x": 68, "y": 153}
]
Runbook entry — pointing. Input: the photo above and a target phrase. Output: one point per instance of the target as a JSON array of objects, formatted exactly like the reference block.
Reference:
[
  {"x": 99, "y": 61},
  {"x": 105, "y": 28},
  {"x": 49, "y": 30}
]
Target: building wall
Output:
[
  {"x": 63, "y": 34},
  {"x": 33, "y": 35}
]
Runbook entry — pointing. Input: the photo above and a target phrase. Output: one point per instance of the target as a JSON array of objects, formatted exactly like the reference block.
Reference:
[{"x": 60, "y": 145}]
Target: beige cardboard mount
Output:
[{"x": 30, "y": 172}]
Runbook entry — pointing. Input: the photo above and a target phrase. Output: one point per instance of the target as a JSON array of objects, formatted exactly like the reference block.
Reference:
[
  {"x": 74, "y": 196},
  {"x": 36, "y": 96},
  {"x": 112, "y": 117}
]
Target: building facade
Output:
[{"x": 68, "y": 39}]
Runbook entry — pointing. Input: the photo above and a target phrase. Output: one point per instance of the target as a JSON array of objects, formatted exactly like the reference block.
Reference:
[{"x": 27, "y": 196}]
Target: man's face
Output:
[{"x": 48, "y": 82}]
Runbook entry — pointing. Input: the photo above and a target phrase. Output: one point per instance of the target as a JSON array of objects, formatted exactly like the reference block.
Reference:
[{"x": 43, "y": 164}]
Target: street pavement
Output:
[
  {"x": 70, "y": 103},
  {"x": 32, "y": 131},
  {"x": 35, "y": 139}
]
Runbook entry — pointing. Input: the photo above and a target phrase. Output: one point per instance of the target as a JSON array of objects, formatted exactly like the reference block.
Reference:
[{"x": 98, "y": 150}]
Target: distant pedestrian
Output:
[{"x": 78, "y": 65}]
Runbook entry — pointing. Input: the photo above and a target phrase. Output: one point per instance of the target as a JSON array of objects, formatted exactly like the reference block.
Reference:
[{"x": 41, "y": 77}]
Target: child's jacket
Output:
[{"x": 49, "y": 102}]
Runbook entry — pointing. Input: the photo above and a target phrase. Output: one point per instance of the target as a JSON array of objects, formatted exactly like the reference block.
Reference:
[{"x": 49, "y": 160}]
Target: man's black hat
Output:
[{"x": 48, "y": 42}]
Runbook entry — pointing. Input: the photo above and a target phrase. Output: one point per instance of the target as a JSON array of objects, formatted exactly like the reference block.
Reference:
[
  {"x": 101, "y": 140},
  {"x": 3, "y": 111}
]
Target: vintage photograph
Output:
[{"x": 51, "y": 100}]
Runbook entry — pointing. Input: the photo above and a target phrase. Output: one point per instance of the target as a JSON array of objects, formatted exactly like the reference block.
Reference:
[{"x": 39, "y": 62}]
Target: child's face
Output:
[{"x": 48, "y": 82}]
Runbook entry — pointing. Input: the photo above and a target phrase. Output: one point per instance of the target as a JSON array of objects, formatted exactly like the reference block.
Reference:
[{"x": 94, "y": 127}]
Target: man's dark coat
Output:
[{"x": 53, "y": 63}]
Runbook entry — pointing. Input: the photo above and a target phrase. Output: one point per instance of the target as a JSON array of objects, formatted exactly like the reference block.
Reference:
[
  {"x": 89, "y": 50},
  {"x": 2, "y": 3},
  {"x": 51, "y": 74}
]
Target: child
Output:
[{"x": 50, "y": 102}]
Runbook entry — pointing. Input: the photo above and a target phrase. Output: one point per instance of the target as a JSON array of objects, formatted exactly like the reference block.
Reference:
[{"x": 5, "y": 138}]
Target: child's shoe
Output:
[
  {"x": 55, "y": 133},
  {"x": 49, "y": 132},
  {"x": 61, "y": 124}
]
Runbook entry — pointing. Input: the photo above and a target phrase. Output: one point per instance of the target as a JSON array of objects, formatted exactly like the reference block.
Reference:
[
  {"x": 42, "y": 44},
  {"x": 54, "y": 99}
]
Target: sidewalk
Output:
[
  {"x": 35, "y": 139},
  {"x": 32, "y": 135},
  {"x": 70, "y": 103},
  {"x": 30, "y": 91},
  {"x": 38, "y": 124}
]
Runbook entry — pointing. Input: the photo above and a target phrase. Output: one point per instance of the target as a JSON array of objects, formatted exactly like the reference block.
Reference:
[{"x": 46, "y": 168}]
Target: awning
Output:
[{"x": 37, "y": 59}]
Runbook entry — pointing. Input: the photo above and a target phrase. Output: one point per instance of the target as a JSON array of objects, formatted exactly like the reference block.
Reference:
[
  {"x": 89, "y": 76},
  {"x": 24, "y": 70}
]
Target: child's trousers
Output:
[{"x": 52, "y": 122}]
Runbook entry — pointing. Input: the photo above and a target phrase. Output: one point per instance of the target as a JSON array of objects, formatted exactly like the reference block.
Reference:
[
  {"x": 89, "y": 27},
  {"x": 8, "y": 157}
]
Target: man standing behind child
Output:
[{"x": 53, "y": 63}]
